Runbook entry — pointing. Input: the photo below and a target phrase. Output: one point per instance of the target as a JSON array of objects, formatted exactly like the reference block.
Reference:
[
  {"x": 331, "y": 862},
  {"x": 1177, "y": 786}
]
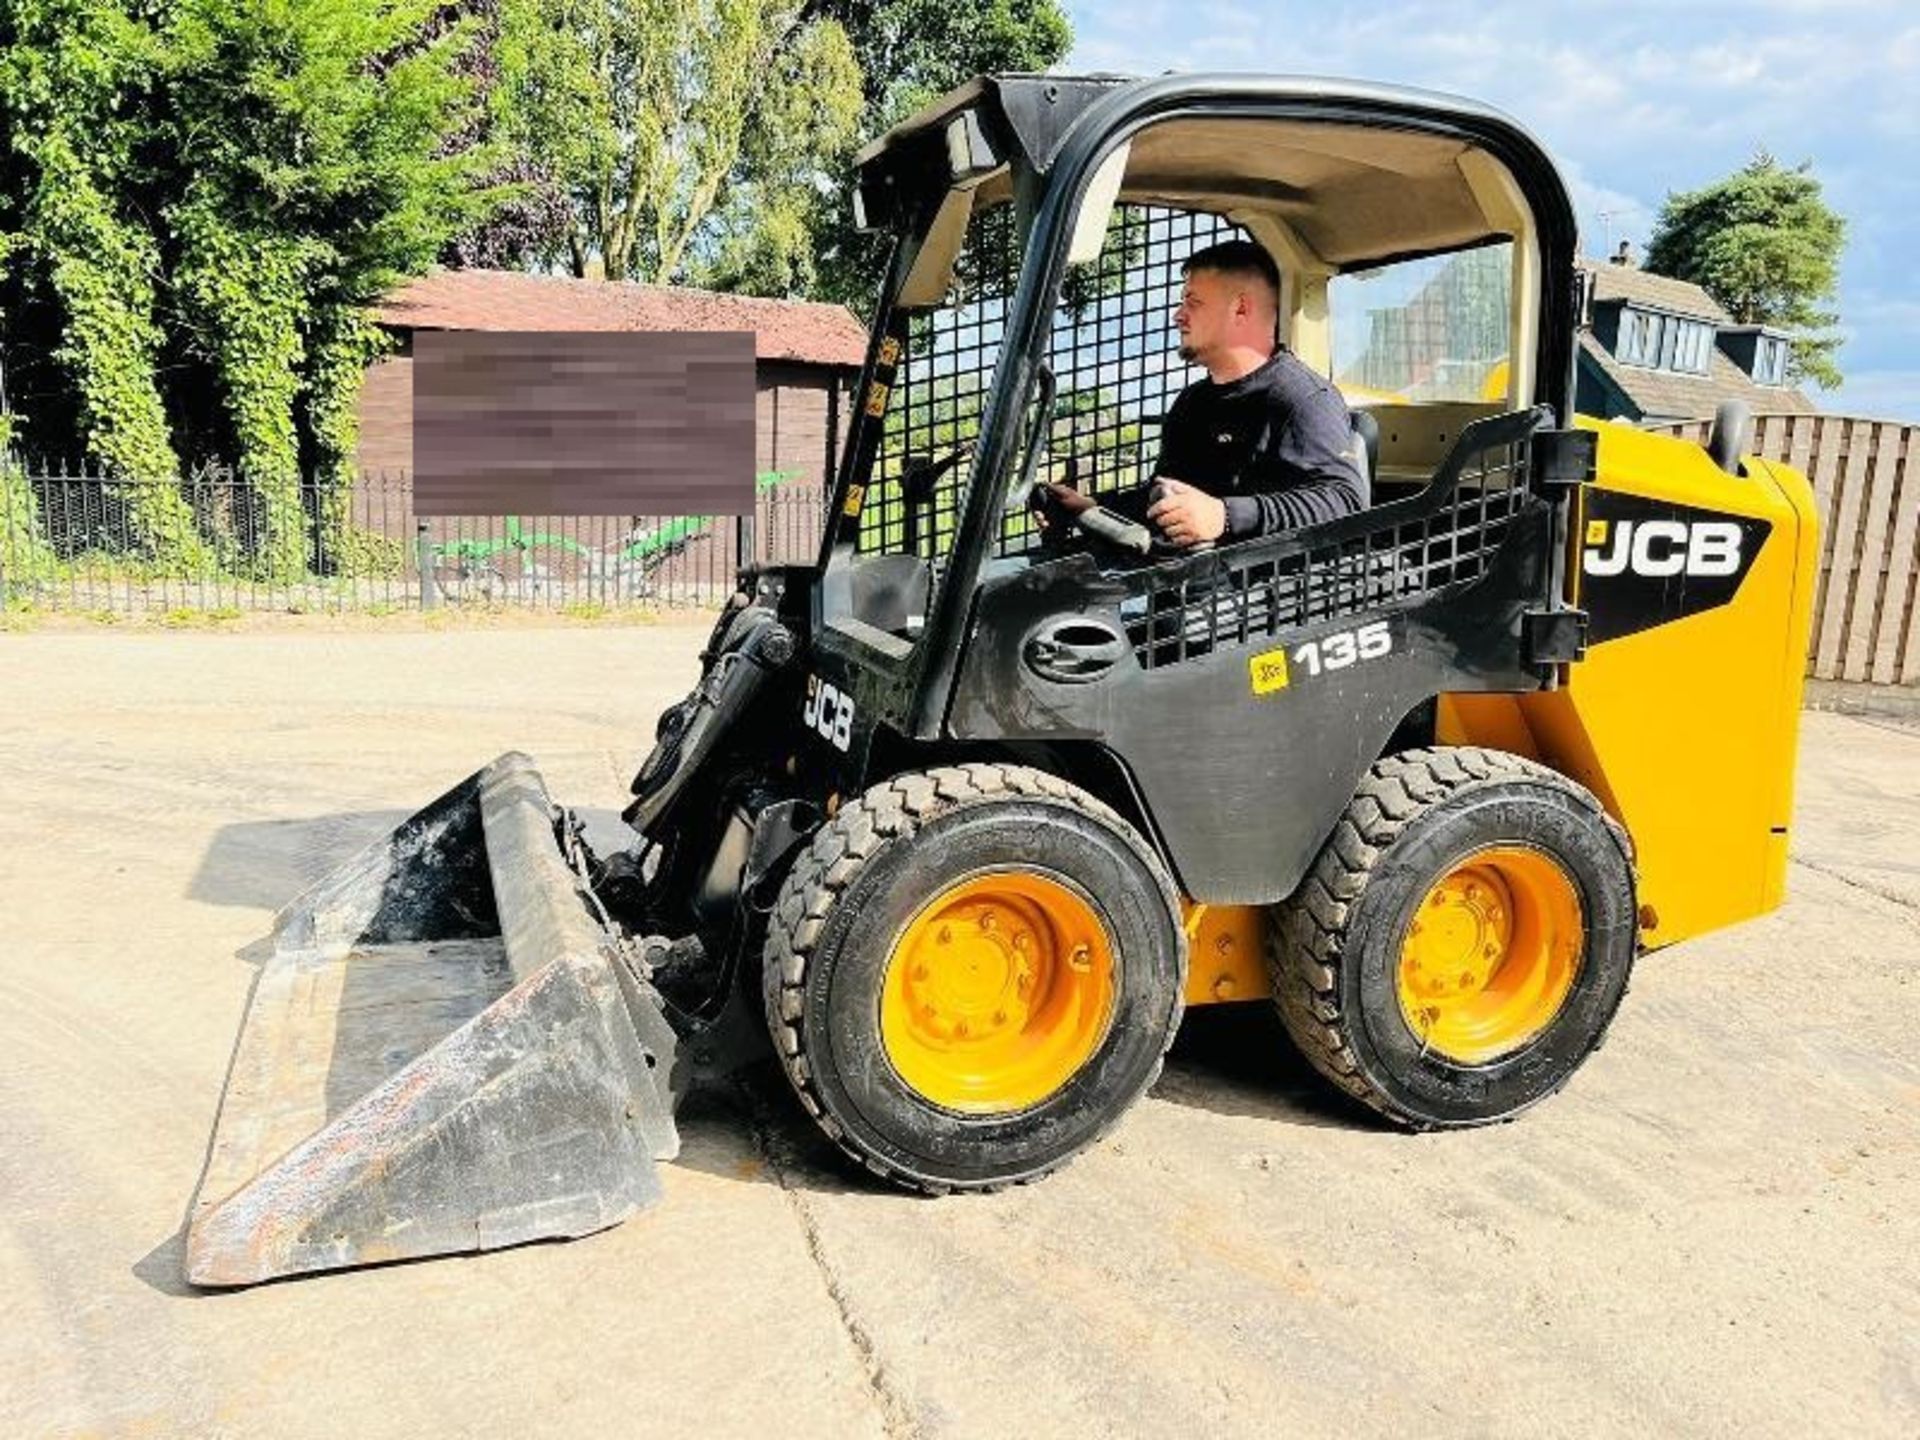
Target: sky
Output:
[{"x": 1635, "y": 99}]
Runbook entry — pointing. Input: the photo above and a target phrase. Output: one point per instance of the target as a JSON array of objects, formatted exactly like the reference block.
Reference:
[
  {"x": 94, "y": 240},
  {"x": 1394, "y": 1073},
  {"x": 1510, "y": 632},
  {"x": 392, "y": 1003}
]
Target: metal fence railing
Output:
[{"x": 76, "y": 539}]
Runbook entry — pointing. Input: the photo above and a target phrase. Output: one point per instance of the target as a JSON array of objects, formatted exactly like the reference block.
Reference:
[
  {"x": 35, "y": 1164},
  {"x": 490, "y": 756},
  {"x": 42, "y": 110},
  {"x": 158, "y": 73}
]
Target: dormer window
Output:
[
  {"x": 1759, "y": 351},
  {"x": 1664, "y": 342}
]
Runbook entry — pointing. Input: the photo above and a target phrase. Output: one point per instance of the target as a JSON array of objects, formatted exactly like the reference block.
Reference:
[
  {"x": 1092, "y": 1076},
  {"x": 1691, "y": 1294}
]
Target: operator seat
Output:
[{"x": 1366, "y": 451}]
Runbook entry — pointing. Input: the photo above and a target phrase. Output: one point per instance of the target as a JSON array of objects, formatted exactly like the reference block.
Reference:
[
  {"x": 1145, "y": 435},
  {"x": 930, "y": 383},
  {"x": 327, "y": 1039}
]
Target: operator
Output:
[{"x": 1262, "y": 444}]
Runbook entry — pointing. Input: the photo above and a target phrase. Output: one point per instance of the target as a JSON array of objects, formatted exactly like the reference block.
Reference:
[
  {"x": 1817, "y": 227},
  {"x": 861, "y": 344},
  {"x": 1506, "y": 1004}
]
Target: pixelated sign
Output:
[{"x": 583, "y": 423}]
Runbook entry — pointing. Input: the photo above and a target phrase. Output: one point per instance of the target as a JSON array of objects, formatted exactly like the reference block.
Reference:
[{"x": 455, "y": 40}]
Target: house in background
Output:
[
  {"x": 1661, "y": 350},
  {"x": 808, "y": 356}
]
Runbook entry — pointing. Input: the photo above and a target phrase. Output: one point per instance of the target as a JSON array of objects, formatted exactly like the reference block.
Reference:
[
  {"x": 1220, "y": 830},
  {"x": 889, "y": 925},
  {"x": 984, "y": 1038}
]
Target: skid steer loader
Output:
[{"x": 963, "y": 816}]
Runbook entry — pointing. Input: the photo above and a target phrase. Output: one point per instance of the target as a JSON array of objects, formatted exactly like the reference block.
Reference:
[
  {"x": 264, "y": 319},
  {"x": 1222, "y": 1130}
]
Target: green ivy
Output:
[
  {"x": 70, "y": 66},
  {"x": 367, "y": 555},
  {"x": 247, "y": 292},
  {"x": 25, "y": 557},
  {"x": 342, "y": 341},
  {"x": 204, "y": 198}
]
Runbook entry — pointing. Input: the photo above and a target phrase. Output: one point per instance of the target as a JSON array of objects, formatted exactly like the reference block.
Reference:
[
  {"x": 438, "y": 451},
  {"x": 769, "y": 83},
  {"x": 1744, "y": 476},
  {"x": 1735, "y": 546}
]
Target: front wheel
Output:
[
  {"x": 1463, "y": 939},
  {"x": 971, "y": 973}
]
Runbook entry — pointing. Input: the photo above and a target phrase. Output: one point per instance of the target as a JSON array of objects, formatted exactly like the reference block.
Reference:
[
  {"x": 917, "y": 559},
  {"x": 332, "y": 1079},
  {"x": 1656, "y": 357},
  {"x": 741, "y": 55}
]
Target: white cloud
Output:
[
  {"x": 1635, "y": 98},
  {"x": 1879, "y": 394}
]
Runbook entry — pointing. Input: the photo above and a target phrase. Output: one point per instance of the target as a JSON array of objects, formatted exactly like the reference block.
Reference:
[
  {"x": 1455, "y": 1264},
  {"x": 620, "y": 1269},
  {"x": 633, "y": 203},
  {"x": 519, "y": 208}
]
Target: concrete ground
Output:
[{"x": 1716, "y": 1229}]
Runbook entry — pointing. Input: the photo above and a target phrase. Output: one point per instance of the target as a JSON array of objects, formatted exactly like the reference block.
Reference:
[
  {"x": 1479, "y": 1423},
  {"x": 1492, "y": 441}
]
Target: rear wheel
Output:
[
  {"x": 971, "y": 973},
  {"x": 1463, "y": 940}
]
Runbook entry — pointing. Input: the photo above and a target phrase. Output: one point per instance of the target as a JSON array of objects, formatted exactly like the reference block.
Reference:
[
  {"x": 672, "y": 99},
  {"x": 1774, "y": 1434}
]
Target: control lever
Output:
[{"x": 1115, "y": 529}]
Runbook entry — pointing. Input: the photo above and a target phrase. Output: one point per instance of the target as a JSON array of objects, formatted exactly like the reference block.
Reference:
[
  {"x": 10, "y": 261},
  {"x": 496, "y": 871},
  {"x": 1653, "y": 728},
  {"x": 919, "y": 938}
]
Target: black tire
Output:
[
  {"x": 1335, "y": 944},
  {"x": 840, "y": 912}
]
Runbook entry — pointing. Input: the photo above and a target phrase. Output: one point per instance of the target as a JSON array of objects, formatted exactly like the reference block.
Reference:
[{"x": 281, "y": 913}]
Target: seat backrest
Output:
[{"x": 1366, "y": 451}]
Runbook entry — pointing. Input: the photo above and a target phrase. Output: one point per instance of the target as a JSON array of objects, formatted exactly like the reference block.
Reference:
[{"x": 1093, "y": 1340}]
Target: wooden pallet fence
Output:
[{"x": 1869, "y": 501}]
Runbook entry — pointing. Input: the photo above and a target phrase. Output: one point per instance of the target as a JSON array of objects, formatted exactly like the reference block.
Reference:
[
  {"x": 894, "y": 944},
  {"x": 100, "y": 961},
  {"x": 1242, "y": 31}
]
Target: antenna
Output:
[{"x": 1606, "y": 218}]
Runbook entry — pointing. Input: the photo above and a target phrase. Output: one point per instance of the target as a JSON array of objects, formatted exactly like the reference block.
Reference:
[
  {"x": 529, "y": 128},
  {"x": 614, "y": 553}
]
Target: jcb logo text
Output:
[
  {"x": 1662, "y": 547},
  {"x": 829, "y": 712}
]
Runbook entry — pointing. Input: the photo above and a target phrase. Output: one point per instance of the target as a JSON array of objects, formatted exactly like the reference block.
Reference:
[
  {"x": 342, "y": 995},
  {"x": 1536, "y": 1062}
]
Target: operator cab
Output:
[{"x": 1025, "y": 334}]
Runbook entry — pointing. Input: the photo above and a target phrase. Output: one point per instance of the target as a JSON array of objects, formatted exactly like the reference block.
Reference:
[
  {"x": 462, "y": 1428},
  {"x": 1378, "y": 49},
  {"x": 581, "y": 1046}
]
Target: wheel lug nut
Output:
[
  {"x": 999, "y": 1017},
  {"x": 921, "y": 972},
  {"x": 986, "y": 921},
  {"x": 1020, "y": 939},
  {"x": 963, "y": 1029},
  {"x": 946, "y": 935},
  {"x": 1081, "y": 959}
]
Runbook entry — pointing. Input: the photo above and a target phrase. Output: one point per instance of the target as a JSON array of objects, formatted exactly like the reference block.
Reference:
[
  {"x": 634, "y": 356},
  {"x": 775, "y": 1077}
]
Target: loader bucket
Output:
[{"x": 442, "y": 1054}]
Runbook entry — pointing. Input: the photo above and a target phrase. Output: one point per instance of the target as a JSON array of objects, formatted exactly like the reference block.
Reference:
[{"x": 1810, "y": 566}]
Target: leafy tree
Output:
[
  {"x": 23, "y": 546},
  {"x": 806, "y": 121},
  {"x": 711, "y": 140},
  {"x": 1765, "y": 245},
  {"x": 643, "y": 109},
  {"x": 911, "y": 52},
  {"x": 324, "y": 184},
  {"x": 77, "y": 80},
  {"x": 527, "y": 226},
  {"x": 206, "y": 196}
]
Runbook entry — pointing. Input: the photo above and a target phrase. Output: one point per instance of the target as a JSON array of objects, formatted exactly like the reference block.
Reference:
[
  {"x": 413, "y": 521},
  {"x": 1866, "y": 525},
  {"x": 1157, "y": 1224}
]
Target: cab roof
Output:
[{"x": 1361, "y": 172}]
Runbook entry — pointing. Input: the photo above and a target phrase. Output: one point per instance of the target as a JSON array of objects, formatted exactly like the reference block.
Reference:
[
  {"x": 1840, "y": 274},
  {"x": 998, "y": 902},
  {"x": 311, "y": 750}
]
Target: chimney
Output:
[{"x": 1624, "y": 255}]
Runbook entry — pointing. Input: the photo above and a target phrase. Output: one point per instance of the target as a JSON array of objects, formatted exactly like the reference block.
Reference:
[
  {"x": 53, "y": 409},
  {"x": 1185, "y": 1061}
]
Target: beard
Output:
[{"x": 1187, "y": 352}]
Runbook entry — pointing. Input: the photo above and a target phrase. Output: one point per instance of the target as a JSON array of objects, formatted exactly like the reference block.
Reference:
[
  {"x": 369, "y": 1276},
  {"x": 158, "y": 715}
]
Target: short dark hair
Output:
[{"x": 1237, "y": 260}]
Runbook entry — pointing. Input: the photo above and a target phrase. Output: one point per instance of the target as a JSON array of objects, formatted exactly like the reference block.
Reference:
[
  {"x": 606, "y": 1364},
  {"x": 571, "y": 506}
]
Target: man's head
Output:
[{"x": 1231, "y": 301}]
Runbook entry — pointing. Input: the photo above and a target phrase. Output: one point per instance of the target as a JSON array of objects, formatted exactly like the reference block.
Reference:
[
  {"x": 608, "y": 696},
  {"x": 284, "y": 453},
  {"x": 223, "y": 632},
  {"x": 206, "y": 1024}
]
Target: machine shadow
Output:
[
  {"x": 1237, "y": 1060},
  {"x": 262, "y": 864},
  {"x": 1229, "y": 1060},
  {"x": 749, "y": 1128}
]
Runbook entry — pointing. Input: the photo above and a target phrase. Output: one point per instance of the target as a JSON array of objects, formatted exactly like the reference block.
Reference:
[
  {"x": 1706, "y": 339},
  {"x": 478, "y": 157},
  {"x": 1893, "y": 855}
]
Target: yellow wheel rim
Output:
[
  {"x": 1491, "y": 954},
  {"x": 997, "y": 993}
]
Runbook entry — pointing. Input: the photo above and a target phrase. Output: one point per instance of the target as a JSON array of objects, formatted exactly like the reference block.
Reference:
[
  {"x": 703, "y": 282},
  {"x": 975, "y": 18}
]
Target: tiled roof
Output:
[
  {"x": 1661, "y": 292},
  {"x": 508, "y": 300},
  {"x": 1665, "y": 395}
]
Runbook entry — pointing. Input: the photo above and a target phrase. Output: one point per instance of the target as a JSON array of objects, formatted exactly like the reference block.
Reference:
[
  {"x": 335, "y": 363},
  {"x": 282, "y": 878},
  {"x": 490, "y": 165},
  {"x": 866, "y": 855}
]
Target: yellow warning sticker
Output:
[
  {"x": 889, "y": 350},
  {"x": 1596, "y": 532},
  {"x": 876, "y": 399},
  {"x": 1268, "y": 671},
  {"x": 855, "y": 494}
]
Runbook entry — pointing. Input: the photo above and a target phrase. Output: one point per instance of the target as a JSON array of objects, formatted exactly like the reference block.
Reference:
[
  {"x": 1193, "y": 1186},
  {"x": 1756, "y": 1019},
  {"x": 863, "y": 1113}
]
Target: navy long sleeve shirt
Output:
[{"x": 1276, "y": 446}]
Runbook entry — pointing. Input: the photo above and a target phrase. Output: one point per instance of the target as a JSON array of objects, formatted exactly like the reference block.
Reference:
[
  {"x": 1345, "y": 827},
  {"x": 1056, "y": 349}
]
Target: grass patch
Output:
[{"x": 186, "y": 617}]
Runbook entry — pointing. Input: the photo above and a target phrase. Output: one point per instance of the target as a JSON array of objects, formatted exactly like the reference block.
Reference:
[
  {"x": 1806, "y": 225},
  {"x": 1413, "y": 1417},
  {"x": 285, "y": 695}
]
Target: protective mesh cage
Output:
[
  {"x": 1113, "y": 350},
  {"x": 1115, "y": 354},
  {"x": 939, "y": 391}
]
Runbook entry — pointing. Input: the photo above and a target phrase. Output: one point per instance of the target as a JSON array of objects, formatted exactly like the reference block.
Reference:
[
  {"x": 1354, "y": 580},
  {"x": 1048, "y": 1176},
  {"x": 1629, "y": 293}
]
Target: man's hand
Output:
[
  {"x": 1068, "y": 498},
  {"x": 1187, "y": 516},
  {"x": 1054, "y": 505}
]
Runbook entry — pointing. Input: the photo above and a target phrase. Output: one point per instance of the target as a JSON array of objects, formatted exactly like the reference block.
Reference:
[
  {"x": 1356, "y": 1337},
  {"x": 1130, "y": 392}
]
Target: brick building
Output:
[{"x": 808, "y": 355}]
